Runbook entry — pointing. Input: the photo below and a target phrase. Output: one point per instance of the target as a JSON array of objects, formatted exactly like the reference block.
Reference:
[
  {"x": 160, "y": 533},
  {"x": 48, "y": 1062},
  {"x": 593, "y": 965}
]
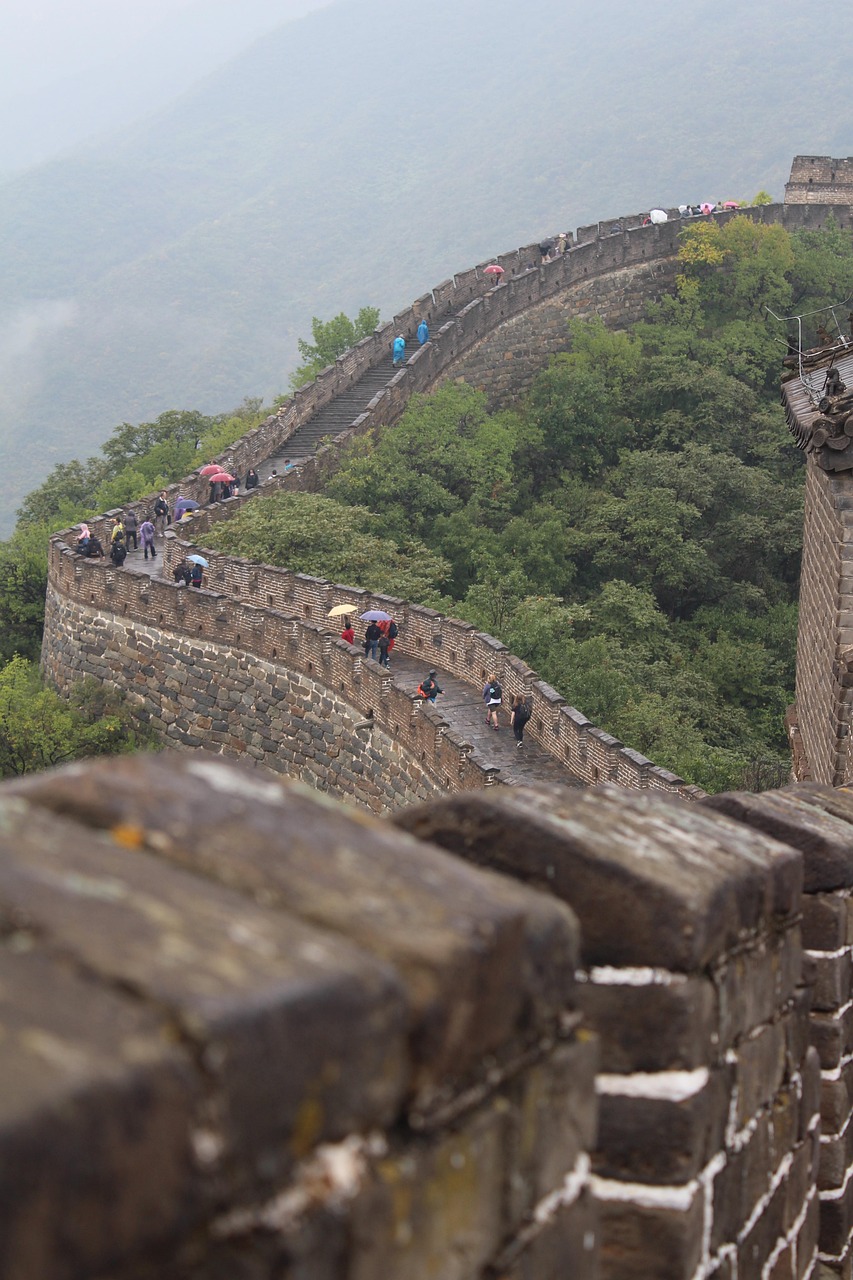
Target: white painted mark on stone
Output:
[
  {"x": 781, "y": 1172},
  {"x": 783, "y": 1243},
  {"x": 573, "y": 1184},
  {"x": 609, "y": 975},
  {"x": 830, "y": 955},
  {"x": 645, "y": 1195},
  {"x": 671, "y": 1086}
]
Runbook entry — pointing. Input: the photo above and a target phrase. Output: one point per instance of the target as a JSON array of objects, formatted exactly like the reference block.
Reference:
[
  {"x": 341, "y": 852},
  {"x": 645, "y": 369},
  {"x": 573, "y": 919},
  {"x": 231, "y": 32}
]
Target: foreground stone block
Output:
[
  {"x": 486, "y": 966},
  {"x": 245, "y": 1033},
  {"x": 691, "y": 972}
]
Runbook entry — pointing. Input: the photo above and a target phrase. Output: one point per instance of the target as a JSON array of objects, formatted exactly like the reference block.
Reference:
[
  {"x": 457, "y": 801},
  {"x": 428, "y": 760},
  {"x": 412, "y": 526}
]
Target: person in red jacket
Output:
[{"x": 348, "y": 633}]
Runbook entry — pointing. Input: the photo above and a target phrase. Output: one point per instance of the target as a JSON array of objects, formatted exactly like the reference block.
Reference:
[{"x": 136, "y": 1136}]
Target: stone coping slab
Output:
[
  {"x": 653, "y": 880},
  {"x": 484, "y": 965},
  {"x": 815, "y": 819}
]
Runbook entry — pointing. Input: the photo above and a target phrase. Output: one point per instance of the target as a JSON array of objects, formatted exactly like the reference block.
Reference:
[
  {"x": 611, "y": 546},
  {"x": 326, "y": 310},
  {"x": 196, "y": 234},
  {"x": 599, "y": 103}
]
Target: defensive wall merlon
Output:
[
  {"x": 522, "y": 1034},
  {"x": 99, "y": 621}
]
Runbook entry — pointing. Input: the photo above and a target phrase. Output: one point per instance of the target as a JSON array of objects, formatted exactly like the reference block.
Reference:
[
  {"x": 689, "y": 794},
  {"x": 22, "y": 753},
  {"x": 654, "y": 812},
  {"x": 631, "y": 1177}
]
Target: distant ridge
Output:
[{"x": 351, "y": 159}]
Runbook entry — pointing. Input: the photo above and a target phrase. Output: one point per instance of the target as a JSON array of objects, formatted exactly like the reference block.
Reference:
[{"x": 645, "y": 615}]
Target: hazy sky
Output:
[{"x": 43, "y": 40}]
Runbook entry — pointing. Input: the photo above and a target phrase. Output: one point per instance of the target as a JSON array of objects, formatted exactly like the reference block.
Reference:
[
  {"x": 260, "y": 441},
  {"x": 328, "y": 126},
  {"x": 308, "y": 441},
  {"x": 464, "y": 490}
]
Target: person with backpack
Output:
[
  {"x": 382, "y": 644},
  {"x": 493, "y": 697},
  {"x": 519, "y": 715},
  {"x": 428, "y": 687},
  {"x": 393, "y": 632},
  {"x": 118, "y": 551}
]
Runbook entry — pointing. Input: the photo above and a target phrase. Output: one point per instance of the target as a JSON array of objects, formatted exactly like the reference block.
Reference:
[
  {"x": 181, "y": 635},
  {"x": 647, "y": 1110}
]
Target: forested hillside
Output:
[
  {"x": 632, "y": 528},
  {"x": 360, "y": 154}
]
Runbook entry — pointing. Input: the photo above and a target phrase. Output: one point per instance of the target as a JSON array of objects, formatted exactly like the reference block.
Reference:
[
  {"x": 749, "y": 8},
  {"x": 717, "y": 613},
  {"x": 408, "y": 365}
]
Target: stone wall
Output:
[
  {"x": 825, "y": 633},
  {"x": 493, "y": 335},
  {"x": 820, "y": 180},
  {"x": 818, "y": 821},
  {"x": 504, "y": 363},
  {"x": 691, "y": 974},
  {"x": 246, "y": 1033}
]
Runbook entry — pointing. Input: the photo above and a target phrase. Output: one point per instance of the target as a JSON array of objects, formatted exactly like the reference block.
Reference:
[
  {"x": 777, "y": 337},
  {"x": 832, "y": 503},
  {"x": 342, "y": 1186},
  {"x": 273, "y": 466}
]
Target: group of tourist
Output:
[
  {"x": 398, "y": 346},
  {"x": 493, "y": 699},
  {"x": 380, "y": 636}
]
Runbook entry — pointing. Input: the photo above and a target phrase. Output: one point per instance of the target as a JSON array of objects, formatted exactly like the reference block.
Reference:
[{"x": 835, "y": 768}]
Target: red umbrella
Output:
[
  {"x": 210, "y": 469},
  {"x": 221, "y": 477},
  {"x": 493, "y": 270}
]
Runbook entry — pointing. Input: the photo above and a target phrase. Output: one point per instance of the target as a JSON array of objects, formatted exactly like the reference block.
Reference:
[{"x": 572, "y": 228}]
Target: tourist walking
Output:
[
  {"x": 348, "y": 633},
  {"x": 146, "y": 530},
  {"x": 493, "y": 697},
  {"x": 519, "y": 715},
  {"x": 130, "y": 529},
  {"x": 399, "y": 349},
  {"x": 423, "y": 332},
  {"x": 382, "y": 644},
  {"x": 252, "y": 481},
  {"x": 428, "y": 687}
]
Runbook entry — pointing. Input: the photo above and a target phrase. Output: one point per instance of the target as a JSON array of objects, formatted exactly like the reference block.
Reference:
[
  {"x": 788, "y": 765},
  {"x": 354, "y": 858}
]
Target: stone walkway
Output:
[{"x": 460, "y": 705}]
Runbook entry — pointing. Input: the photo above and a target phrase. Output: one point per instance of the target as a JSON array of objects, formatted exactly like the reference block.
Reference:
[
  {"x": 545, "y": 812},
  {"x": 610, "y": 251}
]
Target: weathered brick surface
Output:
[
  {"x": 484, "y": 964},
  {"x": 706, "y": 1157},
  {"x": 259, "y": 1036}
]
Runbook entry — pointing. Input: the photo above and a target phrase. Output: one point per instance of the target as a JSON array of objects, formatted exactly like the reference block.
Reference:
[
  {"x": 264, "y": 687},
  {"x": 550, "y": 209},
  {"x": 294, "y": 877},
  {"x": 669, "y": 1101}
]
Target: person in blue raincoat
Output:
[
  {"x": 399, "y": 349},
  {"x": 423, "y": 332}
]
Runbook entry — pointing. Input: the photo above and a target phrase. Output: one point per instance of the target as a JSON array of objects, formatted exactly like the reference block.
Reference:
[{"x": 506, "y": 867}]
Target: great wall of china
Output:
[
  {"x": 247, "y": 1033},
  {"x": 257, "y": 630}
]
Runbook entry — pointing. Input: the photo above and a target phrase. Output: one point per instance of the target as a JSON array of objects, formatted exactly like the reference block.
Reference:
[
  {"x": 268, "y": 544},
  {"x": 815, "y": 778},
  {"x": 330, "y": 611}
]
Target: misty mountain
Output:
[
  {"x": 112, "y": 81},
  {"x": 359, "y": 156}
]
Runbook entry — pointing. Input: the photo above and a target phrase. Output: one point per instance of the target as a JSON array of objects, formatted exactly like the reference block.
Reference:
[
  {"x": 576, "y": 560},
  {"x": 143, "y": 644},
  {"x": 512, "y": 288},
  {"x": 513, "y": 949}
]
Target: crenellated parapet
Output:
[{"x": 248, "y": 1032}]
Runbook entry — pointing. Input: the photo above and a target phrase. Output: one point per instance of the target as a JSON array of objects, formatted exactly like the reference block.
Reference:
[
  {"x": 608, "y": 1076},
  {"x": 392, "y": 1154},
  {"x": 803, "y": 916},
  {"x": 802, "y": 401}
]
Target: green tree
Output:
[
  {"x": 331, "y": 339},
  {"x": 38, "y": 729},
  {"x": 312, "y": 534}
]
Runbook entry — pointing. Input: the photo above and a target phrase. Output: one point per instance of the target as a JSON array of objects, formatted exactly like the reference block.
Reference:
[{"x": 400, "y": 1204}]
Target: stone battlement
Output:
[
  {"x": 820, "y": 180},
  {"x": 524, "y": 1034}
]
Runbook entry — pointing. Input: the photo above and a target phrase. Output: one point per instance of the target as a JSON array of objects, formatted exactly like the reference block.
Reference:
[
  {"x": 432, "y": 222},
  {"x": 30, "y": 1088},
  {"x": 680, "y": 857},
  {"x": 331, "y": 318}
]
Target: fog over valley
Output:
[{"x": 184, "y": 185}]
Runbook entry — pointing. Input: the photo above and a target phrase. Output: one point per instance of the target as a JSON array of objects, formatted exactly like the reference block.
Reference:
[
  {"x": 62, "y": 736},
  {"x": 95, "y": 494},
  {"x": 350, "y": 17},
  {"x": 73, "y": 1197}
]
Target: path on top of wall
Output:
[{"x": 460, "y": 705}]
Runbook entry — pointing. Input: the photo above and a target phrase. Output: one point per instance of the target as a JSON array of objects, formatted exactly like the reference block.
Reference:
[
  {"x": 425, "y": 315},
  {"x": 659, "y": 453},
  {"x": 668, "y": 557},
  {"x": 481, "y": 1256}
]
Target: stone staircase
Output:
[{"x": 332, "y": 419}]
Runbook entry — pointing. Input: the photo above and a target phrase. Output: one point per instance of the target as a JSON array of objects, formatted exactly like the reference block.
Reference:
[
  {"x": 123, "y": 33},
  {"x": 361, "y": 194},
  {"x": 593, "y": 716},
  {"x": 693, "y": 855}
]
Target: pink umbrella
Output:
[
  {"x": 493, "y": 270},
  {"x": 707, "y": 208},
  {"x": 210, "y": 469},
  {"x": 730, "y": 204},
  {"x": 221, "y": 477}
]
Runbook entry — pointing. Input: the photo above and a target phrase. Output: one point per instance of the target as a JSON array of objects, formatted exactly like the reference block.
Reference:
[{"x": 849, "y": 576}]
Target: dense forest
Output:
[{"x": 632, "y": 528}]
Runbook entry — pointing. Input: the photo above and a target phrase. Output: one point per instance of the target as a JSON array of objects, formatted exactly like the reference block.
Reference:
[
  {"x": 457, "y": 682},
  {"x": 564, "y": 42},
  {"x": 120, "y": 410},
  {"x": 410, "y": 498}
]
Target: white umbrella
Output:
[{"x": 657, "y": 215}]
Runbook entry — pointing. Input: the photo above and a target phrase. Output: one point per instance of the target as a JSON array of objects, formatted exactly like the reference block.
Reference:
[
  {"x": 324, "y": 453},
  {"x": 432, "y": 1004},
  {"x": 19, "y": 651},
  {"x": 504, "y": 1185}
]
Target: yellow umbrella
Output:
[{"x": 340, "y": 609}]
